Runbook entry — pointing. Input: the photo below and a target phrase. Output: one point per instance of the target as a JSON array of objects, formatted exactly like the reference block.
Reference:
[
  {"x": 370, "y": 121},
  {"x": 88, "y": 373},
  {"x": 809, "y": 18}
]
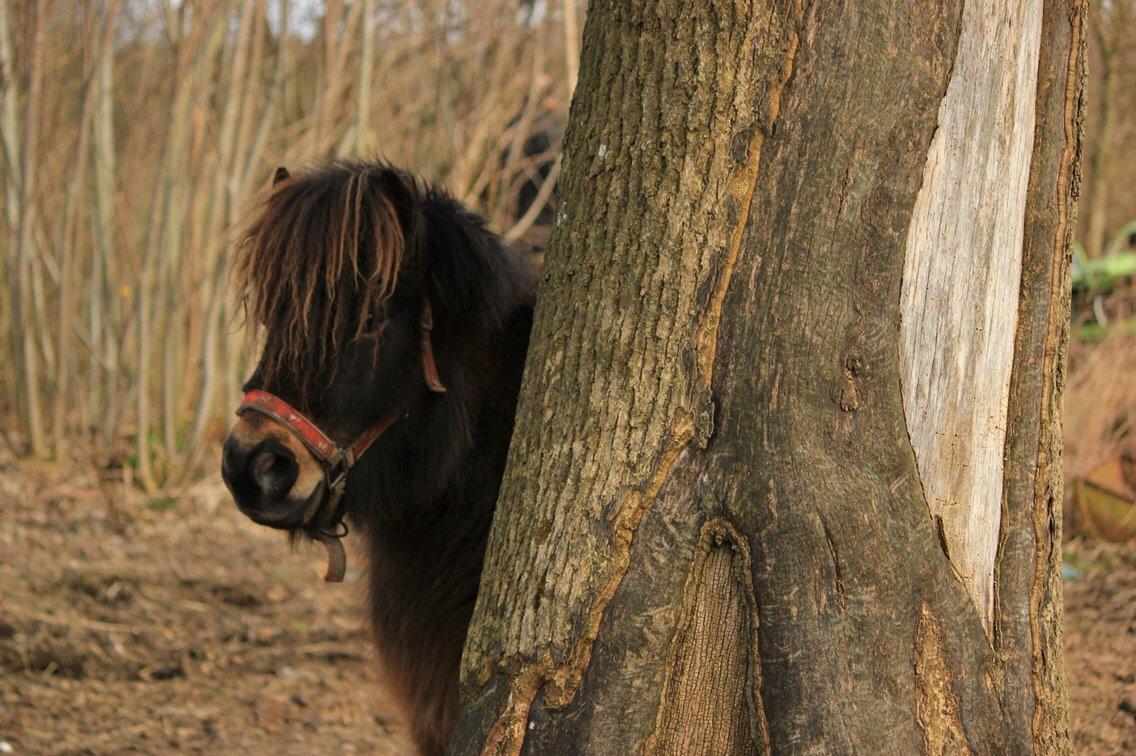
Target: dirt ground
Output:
[
  {"x": 133, "y": 625},
  {"x": 1100, "y": 646},
  {"x": 130, "y": 625}
]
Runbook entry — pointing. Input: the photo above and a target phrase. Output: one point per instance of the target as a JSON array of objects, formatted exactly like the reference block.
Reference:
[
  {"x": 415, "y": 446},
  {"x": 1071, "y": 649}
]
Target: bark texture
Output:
[
  {"x": 712, "y": 535},
  {"x": 1027, "y": 579}
]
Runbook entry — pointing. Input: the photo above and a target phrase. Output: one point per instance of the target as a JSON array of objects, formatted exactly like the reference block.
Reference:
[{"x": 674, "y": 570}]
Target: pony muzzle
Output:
[
  {"x": 273, "y": 478},
  {"x": 321, "y": 513}
]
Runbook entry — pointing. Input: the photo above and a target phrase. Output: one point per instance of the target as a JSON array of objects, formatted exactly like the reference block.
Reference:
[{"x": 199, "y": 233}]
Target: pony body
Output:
[{"x": 337, "y": 266}]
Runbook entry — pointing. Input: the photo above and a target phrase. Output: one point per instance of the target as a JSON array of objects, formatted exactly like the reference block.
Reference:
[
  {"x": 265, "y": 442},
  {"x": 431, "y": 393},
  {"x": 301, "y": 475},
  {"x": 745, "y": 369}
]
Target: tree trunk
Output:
[
  {"x": 1110, "y": 24},
  {"x": 786, "y": 469}
]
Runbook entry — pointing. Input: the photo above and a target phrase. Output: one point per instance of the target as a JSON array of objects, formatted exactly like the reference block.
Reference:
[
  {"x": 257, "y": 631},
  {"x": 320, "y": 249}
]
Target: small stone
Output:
[{"x": 168, "y": 672}]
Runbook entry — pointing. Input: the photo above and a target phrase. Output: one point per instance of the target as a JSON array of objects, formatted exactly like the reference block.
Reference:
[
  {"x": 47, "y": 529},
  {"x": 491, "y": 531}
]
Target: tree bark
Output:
[{"x": 713, "y": 534}]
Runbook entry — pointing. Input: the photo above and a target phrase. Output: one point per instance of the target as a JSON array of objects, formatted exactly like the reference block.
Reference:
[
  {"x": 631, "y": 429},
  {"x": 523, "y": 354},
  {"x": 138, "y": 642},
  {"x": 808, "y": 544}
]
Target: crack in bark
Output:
[
  {"x": 507, "y": 734},
  {"x": 741, "y": 189},
  {"x": 838, "y": 573},
  {"x": 625, "y": 523},
  {"x": 941, "y": 532}
]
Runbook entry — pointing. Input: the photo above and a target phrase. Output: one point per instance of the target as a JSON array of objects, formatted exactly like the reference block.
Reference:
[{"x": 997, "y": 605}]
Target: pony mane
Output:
[{"x": 322, "y": 250}]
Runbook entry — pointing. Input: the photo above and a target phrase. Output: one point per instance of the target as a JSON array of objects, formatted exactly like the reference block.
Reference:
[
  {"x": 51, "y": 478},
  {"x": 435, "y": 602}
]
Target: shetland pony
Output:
[{"x": 390, "y": 315}]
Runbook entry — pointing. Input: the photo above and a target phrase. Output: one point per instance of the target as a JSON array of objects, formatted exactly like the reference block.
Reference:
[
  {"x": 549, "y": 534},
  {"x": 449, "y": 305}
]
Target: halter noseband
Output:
[{"x": 326, "y": 519}]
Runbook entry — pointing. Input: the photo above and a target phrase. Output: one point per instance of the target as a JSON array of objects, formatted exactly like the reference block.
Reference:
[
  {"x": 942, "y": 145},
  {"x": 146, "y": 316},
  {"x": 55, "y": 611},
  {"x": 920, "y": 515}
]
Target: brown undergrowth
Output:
[
  {"x": 155, "y": 625},
  {"x": 1100, "y": 403}
]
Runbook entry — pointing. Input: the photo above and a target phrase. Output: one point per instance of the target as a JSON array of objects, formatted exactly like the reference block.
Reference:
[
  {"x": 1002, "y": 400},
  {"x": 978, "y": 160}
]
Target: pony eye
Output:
[{"x": 375, "y": 318}]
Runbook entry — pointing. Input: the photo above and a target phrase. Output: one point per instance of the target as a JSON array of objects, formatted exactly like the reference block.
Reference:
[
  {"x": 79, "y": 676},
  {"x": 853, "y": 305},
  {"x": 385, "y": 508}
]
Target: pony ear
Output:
[
  {"x": 400, "y": 190},
  {"x": 281, "y": 174}
]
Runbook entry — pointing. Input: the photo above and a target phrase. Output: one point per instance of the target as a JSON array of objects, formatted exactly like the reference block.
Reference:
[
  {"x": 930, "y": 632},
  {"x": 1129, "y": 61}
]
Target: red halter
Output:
[{"x": 336, "y": 460}]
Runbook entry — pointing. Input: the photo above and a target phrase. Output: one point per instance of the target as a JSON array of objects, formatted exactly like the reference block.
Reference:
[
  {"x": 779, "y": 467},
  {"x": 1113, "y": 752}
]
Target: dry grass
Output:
[
  {"x": 1100, "y": 403},
  {"x": 163, "y": 624},
  {"x": 134, "y": 135},
  {"x": 170, "y": 623}
]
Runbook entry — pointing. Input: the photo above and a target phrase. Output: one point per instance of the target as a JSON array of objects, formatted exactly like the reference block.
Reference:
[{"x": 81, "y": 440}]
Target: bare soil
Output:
[
  {"x": 1100, "y": 646},
  {"x": 133, "y": 624},
  {"x": 151, "y": 625}
]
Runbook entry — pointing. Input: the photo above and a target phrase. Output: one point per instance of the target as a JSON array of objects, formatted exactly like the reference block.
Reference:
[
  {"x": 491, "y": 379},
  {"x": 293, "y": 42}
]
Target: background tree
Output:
[
  {"x": 786, "y": 469},
  {"x": 134, "y": 135},
  {"x": 1112, "y": 24}
]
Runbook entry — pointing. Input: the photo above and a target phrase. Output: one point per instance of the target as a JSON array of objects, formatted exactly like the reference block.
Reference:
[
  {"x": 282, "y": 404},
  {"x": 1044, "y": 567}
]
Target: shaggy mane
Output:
[{"x": 322, "y": 251}]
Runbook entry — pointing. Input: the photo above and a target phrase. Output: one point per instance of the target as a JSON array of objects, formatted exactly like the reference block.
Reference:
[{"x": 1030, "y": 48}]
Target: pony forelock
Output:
[{"x": 321, "y": 251}]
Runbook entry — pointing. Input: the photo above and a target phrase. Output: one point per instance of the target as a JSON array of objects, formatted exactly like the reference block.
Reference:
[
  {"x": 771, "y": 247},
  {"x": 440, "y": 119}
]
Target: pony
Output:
[{"x": 395, "y": 328}]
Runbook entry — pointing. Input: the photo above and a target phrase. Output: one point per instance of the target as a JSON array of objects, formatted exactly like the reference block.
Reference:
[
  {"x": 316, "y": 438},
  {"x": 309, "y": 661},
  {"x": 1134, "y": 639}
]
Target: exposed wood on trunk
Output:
[
  {"x": 961, "y": 279},
  {"x": 711, "y": 697},
  {"x": 936, "y": 704}
]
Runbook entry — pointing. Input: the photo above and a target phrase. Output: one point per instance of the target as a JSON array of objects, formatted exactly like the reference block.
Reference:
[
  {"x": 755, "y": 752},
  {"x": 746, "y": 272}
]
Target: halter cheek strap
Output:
[
  {"x": 326, "y": 520},
  {"x": 429, "y": 367}
]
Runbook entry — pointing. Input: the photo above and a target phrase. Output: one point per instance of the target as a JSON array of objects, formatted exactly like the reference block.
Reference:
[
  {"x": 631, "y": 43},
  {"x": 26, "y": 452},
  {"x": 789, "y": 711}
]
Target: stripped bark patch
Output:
[
  {"x": 508, "y": 733},
  {"x": 711, "y": 699},
  {"x": 740, "y": 194},
  {"x": 960, "y": 290}
]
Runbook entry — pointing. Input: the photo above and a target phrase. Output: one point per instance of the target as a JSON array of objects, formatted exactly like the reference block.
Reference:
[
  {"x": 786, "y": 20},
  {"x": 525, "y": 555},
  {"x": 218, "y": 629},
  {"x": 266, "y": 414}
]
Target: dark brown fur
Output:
[{"x": 336, "y": 267}]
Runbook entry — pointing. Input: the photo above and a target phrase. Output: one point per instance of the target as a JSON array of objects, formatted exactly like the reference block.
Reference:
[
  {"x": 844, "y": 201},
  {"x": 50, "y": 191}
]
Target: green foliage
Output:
[{"x": 161, "y": 503}]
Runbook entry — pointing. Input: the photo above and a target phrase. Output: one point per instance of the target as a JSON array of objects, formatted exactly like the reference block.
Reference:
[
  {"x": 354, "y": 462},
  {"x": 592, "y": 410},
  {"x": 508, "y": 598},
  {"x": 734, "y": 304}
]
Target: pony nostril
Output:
[
  {"x": 274, "y": 472},
  {"x": 232, "y": 462}
]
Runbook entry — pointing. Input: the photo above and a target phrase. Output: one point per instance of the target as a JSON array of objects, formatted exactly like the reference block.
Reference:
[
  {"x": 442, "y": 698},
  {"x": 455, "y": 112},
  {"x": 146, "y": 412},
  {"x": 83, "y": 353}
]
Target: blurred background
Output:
[
  {"x": 137, "y": 610},
  {"x": 137, "y": 132}
]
